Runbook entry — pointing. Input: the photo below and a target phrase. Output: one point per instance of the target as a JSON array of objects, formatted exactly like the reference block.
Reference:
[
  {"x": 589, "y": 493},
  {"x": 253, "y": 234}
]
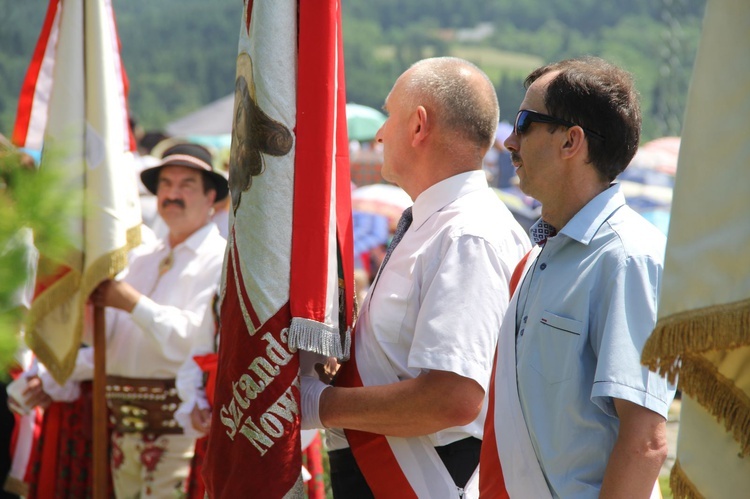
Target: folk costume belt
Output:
[{"x": 141, "y": 405}]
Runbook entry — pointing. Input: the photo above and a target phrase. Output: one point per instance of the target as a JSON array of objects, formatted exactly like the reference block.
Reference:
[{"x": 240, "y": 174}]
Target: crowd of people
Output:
[{"x": 475, "y": 342}]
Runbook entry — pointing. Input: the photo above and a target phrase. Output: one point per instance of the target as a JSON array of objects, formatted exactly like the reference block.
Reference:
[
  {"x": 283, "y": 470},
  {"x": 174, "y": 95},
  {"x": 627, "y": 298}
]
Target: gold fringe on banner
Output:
[
  {"x": 719, "y": 327},
  {"x": 110, "y": 264},
  {"x": 59, "y": 369},
  {"x": 681, "y": 485},
  {"x": 51, "y": 298},
  {"x": 700, "y": 379},
  {"x": 15, "y": 486},
  {"x": 105, "y": 267}
]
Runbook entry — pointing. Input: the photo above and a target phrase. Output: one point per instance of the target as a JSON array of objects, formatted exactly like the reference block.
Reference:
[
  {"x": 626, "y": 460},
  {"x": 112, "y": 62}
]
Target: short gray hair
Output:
[{"x": 462, "y": 94}]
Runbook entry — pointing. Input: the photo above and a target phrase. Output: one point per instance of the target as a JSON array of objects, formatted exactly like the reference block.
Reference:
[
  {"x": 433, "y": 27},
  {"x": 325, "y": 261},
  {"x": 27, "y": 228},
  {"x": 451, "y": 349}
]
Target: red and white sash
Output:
[
  {"x": 508, "y": 464},
  {"x": 393, "y": 467}
]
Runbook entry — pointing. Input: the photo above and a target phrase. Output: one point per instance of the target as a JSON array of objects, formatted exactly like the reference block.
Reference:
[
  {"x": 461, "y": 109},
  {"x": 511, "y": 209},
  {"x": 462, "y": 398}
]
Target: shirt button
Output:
[
  {"x": 543, "y": 266},
  {"x": 525, "y": 319},
  {"x": 520, "y": 333}
]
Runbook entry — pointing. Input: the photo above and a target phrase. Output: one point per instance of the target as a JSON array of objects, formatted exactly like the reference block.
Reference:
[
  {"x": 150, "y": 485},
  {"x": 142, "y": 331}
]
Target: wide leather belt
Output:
[{"x": 143, "y": 405}]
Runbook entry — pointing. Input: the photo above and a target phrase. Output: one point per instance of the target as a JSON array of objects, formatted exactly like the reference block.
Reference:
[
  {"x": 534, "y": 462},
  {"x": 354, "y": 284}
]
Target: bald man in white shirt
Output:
[{"x": 428, "y": 327}]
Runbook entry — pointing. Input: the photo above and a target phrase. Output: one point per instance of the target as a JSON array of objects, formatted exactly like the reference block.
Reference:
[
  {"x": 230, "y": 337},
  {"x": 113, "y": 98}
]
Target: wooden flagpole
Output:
[{"x": 100, "y": 439}]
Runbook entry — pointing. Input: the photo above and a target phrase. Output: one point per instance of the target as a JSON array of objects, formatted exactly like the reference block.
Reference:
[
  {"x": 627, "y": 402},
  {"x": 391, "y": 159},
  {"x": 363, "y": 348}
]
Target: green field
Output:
[{"x": 496, "y": 63}]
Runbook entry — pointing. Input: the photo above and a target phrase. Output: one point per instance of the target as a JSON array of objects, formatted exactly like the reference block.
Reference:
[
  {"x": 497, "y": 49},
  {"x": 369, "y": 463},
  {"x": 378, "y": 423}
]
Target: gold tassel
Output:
[
  {"x": 15, "y": 486},
  {"x": 681, "y": 485},
  {"x": 700, "y": 379},
  {"x": 719, "y": 327}
]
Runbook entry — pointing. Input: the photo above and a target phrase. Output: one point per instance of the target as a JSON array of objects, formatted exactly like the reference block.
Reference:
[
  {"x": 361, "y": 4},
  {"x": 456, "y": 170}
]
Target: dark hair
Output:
[
  {"x": 209, "y": 184},
  {"x": 597, "y": 95}
]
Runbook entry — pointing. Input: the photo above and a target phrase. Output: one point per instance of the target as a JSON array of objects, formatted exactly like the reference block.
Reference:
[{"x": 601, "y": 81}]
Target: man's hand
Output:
[
  {"x": 201, "y": 419},
  {"x": 33, "y": 395},
  {"x": 116, "y": 294},
  {"x": 327, "y": 372},
  {"x": 310, "y": 390}
]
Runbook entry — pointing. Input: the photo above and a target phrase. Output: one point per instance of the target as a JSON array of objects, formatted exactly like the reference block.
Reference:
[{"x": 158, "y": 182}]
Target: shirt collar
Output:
[
  {"x": 197, "y": 238},
  {"x": 584, "y": 224},
  {"x": 440, "y": 195}
]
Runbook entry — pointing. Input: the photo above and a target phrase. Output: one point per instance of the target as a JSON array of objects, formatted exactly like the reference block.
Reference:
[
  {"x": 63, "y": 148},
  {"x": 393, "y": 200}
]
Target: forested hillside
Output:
[{"x": 180, "y": 54}]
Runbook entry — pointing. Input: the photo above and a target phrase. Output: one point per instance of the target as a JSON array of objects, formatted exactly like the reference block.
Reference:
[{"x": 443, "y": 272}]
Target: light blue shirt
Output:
[{"x": 585, "y": 309}]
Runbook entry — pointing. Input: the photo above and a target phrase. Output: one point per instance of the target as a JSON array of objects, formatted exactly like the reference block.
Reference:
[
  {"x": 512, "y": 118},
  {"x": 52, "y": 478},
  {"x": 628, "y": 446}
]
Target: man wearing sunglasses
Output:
[{"x": 568, "y": 372}]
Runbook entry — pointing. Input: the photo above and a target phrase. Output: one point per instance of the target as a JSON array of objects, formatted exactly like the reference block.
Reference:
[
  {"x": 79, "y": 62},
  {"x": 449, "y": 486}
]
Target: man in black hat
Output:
[
  {"x": 158, "y": 311},
  {"x": 163, "y": 311}
]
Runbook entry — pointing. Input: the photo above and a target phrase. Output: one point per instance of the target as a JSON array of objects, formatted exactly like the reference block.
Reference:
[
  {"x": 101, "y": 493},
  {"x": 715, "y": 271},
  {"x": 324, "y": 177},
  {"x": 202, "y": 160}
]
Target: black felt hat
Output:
[{"x": 191, "y": 156}]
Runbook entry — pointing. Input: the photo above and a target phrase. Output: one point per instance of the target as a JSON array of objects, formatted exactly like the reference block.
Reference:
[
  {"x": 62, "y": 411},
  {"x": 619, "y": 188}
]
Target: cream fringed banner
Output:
[
  {"x": 703, "y": 331},
  {"x": 73, "y": 108}
]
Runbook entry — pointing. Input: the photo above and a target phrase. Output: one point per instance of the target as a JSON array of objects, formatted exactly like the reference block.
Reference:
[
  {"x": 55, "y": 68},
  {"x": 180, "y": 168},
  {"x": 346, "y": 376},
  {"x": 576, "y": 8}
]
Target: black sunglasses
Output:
[{"x": 525, "y": 118}]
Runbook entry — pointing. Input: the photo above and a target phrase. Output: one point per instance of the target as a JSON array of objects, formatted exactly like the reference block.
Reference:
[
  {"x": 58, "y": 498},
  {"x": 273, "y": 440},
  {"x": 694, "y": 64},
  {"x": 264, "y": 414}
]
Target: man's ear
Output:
[
  {"x": 420, "y": 126},
  {"x": 575, "y": 142}
]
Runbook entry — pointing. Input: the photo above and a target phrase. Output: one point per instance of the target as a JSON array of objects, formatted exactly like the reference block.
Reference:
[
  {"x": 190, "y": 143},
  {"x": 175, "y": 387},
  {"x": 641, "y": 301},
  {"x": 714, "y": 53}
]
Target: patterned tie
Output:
[{"x": 403, "y": 225}]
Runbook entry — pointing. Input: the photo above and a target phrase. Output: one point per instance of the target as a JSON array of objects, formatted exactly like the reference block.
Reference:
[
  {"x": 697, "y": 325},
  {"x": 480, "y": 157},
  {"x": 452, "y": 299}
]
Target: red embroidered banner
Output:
[{"x": 290, "y": 241}]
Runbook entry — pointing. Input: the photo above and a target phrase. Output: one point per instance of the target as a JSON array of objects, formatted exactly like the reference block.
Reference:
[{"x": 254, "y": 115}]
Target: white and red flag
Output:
[
  {"x": 73, "y": 106},
  {"x": 290, "y": 247}
]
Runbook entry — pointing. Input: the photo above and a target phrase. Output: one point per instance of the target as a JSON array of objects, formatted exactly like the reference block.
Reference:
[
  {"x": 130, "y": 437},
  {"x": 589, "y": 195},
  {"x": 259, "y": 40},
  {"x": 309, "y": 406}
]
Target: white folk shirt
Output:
[
  {"x": 439, "y": 301},
  {"x": 173, "y": 315}
]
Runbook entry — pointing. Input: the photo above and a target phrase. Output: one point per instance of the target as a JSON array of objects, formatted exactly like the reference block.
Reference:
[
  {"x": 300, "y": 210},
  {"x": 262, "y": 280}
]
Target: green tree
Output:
[
  {"x": 180, "y": 54},
  {"x": 29, "y": 200}
]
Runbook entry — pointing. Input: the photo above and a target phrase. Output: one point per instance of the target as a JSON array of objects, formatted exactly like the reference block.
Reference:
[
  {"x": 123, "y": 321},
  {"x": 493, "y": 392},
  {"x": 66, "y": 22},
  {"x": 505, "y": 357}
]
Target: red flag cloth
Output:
[
  {"x": 73, "y": 106},
  {"x": 290, "y": 243},
  {"x": 316, "y": 488},
  {"x": 195, "y": 487},
  {"x": 208, "y": 364}
]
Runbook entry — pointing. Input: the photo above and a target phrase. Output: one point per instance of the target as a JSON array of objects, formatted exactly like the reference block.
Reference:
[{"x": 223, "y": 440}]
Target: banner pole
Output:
[{"x": 100, "y": 439}]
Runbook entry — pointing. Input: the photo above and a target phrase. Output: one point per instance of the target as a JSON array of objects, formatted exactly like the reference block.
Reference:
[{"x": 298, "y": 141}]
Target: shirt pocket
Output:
[
  {"x": 389, "y": 306},
  {"x": 558, "y": 339}
]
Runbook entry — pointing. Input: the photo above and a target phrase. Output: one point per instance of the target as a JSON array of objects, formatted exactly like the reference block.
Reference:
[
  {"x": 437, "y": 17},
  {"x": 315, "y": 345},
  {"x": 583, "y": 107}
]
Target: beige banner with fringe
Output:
[
  {"x": 703, "y": 331},
  {"x": 74, "y": 104}
]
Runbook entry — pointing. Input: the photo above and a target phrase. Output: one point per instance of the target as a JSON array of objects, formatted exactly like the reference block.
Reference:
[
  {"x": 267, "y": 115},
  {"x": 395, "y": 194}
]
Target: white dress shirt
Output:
[{"x": 439, "y": 301}]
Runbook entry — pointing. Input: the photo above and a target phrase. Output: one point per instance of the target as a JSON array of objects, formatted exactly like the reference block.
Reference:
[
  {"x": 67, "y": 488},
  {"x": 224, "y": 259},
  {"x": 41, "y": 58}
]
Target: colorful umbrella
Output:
[
  {"x": 363, "y": 122},
  {"x": 382, "y": 199},
  {"x": 658, "y": 155}
]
